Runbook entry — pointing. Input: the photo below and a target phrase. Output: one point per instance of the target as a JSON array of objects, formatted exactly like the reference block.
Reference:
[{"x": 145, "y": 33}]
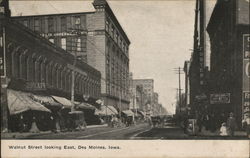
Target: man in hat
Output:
[
  {"x": 231, "y": 123},
  {"x": 246, "y": 123}
]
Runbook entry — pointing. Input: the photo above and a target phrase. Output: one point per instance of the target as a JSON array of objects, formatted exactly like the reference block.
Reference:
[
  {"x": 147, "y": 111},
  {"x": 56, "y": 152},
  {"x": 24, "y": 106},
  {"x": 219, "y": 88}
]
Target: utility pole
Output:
[
  {"x": 77, "y": 32},
  {"x": 179, "y": 71}
]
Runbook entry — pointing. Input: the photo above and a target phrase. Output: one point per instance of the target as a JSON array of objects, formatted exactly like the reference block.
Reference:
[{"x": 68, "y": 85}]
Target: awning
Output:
[
  {"x": 65, "y": 102},
  {"x": 46, "y": 100},
  {"x": 86, "y": 106},
  {"x": 106, "y": 110},
  {"x": 142, "y": 113},
  {"x": 20, "y": 102},
  {"x": 128, "y": 112}
]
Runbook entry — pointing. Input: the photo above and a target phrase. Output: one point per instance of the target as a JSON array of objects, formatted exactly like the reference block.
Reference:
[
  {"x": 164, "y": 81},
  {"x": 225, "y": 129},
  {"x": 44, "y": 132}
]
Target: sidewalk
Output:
[
  {"x": 237, "y": 134},
  {"x": 18, "y": 135}
]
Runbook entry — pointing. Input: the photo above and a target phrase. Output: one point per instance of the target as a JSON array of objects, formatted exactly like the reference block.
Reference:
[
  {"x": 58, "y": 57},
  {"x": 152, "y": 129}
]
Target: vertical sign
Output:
[
  {"x": 246, "y": 73},
  {"x": 2, "y": 51}
]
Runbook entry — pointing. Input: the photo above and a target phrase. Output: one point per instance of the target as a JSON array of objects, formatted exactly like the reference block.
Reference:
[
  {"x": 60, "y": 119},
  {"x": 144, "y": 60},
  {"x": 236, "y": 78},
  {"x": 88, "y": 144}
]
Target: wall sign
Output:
[{"x": 246, "y": 74}]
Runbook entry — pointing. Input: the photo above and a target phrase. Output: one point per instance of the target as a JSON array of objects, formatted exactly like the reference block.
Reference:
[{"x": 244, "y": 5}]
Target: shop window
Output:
[{"x": 63, "y": 43}]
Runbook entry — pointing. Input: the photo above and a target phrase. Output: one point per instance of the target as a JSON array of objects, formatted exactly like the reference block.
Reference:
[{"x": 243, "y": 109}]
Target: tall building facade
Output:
[
  {"x": 198, "y": 70},
  {"x": 148, "y": 86},
  {"x": 229, "y": 33},
  {"x": 96, "y": 38},
  {"x": 32, "y": 66},
  {"x": 155, "y": 103},
  {"x": 148, "y": 89}
]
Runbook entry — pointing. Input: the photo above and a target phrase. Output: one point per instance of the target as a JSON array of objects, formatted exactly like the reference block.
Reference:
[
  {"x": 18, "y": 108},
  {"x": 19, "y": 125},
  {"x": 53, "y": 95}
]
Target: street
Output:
[
  {"x": 97, "y": 133},
  {"x": 135, "y": 132}
]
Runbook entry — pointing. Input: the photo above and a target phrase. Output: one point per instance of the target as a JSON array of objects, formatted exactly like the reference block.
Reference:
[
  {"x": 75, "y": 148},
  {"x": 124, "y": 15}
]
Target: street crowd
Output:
[{"x": 223, "y": 123}]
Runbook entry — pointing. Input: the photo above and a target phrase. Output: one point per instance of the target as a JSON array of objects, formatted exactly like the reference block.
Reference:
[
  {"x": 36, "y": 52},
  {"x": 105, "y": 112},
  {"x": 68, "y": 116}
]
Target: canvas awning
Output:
[
  {"x": 19, "y": 102},
  {"x": 142, "y": 113},
  {"x": 86, "y": 106},
  {"x": 46, "y": 100},
  {"x": 65, "y": 102},
  {"x": 128, "y": 112},
  {"x": 106, "y": 110}
]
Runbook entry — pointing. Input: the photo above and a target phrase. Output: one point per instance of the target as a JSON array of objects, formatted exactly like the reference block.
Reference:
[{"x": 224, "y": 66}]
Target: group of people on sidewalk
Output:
[
  {"x": 228, "y": 128},
  {"x": 225, "y": 125}
]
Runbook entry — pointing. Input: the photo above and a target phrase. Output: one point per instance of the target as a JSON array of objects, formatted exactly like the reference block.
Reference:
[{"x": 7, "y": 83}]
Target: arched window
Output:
[
  {"x": 29, "y": 67},
  {"x": 23, "y": 67},
  {"x": 43, "y": 70},
  {"x": 63, "y": 74},
  {"x": 50, "y": 73},
  {"x": 33, "y": 67},
  {"x": 54, "y": 76},
  {"x": 15, "y": 63},
  {"x": 67, "y": 75},
  {"x": 77, "y": 82},
  {"x": 58, "y": 74},
  {"x": 70, "y": 81},
  {"x": 38, "y": 71}
]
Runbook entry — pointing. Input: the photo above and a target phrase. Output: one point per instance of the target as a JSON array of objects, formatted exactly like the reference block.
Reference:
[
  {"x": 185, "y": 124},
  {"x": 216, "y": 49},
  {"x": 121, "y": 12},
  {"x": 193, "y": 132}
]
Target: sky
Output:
[{"x": 161, "y": 35}]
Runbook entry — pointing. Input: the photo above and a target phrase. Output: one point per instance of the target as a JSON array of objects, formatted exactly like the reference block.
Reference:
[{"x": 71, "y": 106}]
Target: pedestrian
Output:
[
  {"x": 246, "y": 124},
  {"x": 231, "y": 124},
  {"x": 223, "y": 129},
  {"x": 21, "y": 124},
  {"x": 34, "y": 128}
]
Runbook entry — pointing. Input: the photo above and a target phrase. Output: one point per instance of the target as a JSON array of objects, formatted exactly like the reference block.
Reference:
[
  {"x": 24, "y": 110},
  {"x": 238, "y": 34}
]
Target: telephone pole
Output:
[
  {"x": 74, "y": 44},
  {"x": 179, "y": 71}
]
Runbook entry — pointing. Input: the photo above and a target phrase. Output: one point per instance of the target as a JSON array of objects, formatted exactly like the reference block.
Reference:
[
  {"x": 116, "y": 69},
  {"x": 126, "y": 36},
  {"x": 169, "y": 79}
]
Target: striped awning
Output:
[
  {"x": 106, "y": 110},
  {"x": 65, "y": 102},
  {"x": 19, "y": 102},
  {"x": 45, "y": 100},
  {"x": 86, "y": 106},
  {"x": 128, "y": 112}
]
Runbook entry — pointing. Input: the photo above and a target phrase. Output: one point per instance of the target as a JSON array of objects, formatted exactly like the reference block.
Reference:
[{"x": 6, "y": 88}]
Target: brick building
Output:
[
  {"x": 148, "y": 89},
  {"x": 228, "y": 29},
  {"x": 96, "y": 38},
  {"x": 32, "y": 64}
]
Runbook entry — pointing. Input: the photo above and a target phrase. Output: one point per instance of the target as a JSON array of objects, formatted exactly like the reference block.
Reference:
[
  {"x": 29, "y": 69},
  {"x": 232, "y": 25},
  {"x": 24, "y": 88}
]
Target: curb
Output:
[{"x": 24, "y": 135}]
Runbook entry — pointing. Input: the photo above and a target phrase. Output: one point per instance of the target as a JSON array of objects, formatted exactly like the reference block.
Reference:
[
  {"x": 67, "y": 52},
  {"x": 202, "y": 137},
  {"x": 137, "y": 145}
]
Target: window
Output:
[
  {"x": 50, "y": 25},
  {"x": 63, "y": 24},
  {"x": 78, "y": 45},
  {"x": 36, "y": 25},
  {"x": 52, "y": 40},
  {"x": 107, "y": 26},
  {"x": 77, "y": 20},
  {"x": 42, "y": 25},
  {"x": 116, "y": 35},
  {"x": 112, "y": 31},
  {"x": 25, "y": 23},
  {"x": 63, "y": 43}
]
